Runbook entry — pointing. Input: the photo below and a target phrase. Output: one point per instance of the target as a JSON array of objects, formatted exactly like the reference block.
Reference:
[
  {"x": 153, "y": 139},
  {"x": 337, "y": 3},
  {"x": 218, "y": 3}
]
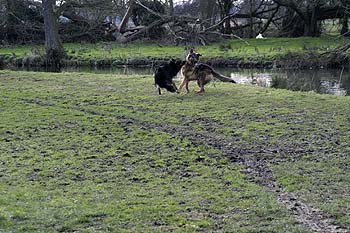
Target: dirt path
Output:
[{"x": 258, "y": 171}]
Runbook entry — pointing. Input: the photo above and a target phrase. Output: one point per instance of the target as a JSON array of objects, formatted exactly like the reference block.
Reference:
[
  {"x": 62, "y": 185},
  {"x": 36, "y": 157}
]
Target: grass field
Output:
[
  {"x": 268, "y": 48},
  {"x": 96, "y": 153}
]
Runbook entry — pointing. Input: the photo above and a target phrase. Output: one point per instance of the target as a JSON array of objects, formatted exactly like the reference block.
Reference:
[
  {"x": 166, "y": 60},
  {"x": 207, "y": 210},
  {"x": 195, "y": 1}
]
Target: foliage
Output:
[
  {"x": 20, "y": 21},
  {"x": 191, "y": 21}
]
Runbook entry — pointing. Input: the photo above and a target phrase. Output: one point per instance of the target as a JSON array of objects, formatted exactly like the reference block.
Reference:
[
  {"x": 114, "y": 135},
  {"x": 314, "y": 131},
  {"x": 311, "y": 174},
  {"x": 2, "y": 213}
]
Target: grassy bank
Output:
[
  {"x": 87, "y": 152},
  {"x": 231, "y": 52}
]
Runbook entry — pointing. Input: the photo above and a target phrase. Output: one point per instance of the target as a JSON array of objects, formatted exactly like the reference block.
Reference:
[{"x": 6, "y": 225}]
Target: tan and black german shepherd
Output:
[{"x": 202, "y": 73}]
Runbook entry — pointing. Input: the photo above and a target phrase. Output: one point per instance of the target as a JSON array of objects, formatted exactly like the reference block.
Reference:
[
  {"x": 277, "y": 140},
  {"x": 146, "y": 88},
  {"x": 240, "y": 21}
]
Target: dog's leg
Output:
[
  {"x": 159, "y": 91},
  {"x": 174, "y": 85},
  {"x": 183, "y": 82},
  {"x": 200, "y": 83},
  {"x": 187, "y": 90}
]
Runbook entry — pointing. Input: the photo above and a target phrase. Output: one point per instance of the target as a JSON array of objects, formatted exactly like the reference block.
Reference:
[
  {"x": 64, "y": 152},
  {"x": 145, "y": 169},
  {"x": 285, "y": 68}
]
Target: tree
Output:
[
  {"x": 309, "y": 13},
  {"x": 345, "y": 20},
  {"x": 141, "y": 16},
  {"x": 20, "y": 21},
  {"x": 207, "y": 12},
  {"x": 225, "y": 7},
  {"x": 53, "y": 45},
  {"x": 292, "y": 24},
  {"x": 170, "y": 7},
  {"x": 10, "y": 32},
  {"x": 88, "y": 20}
]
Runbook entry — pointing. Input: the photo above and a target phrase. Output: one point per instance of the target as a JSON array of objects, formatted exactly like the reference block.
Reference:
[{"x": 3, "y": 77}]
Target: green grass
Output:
[
  {"x": 331, "y": 27},
  {"x": 268, "y": 48},
  {"x": 82, "y": 152}
]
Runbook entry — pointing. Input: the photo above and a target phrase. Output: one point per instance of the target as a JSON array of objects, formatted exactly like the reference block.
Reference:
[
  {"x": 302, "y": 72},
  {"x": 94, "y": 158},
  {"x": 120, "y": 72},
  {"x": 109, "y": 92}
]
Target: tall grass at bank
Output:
[{"x": 269, "y": 48}]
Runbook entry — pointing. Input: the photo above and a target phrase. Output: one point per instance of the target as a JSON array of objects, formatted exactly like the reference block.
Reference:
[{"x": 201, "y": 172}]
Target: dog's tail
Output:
[
  {"x": 222, "y": 77},
  {"x": 214, "y": 73}
]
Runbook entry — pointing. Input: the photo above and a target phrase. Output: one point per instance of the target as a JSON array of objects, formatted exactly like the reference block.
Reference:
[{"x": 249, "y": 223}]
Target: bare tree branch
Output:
[
  {"x": 267, "y": 24},
  {"x": 126, "y": 17}
]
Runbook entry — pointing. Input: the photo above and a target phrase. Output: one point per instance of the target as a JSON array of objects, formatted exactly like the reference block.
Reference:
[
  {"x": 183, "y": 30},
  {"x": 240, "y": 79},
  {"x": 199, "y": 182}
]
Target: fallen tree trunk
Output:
[
  {"x": 141, "y": 31},
  {"x": 126, "y": 17}
]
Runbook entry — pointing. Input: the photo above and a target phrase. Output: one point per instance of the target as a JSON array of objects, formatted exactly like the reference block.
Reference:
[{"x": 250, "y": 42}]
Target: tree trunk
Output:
[
  {"x": 11, "y": 35},
  {"x": 225, "y": 7},
  {"x": 345, "y": 26},
  {"x": 53, "y": 45},
  {"x": 292, "y": 24},
  {"x": 171, "y": 8},
  {"x": 311, "y": 24},
  {"x": 251, "y": 19},
  {"x": 207, "y": 11}
]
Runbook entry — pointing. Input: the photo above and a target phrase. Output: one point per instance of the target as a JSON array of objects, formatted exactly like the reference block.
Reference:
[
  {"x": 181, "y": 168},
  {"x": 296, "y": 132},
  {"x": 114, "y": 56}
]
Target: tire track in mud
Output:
[{"x": 257, "y": 169}]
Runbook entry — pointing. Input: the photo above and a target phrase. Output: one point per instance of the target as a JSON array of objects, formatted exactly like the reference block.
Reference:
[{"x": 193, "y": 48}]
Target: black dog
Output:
[{"x": 163, "y": 77}]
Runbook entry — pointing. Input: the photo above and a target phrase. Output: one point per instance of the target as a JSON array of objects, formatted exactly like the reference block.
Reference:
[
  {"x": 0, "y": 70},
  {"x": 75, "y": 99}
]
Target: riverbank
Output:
[{"x": 253, "y": 53}]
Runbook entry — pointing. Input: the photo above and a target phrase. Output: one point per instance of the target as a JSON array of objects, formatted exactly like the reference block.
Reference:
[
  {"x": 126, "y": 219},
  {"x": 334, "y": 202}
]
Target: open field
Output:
[
  {"x": 85, "y": 152},
  {"x": 266, "y": 49}
]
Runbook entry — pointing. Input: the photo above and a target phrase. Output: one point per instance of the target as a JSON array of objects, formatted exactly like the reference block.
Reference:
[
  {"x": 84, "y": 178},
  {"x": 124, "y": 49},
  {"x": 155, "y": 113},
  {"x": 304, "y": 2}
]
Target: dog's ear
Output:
[{"x": 180, "y": 62}]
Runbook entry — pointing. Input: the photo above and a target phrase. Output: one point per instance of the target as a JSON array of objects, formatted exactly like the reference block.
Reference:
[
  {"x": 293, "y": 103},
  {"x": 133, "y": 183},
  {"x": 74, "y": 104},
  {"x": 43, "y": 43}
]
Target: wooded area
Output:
[
  {"x": 174, "y": 22},
  {"x": 196, "y": 21}
]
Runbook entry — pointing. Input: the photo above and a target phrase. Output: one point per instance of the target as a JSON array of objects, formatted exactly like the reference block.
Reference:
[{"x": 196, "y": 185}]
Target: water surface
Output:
[{"x": 325, "y": 81}]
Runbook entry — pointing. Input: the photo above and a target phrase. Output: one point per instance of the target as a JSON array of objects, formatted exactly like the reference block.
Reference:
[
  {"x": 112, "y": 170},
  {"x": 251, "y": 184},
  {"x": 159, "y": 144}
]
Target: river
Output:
[{"x": 325, "y": 81}]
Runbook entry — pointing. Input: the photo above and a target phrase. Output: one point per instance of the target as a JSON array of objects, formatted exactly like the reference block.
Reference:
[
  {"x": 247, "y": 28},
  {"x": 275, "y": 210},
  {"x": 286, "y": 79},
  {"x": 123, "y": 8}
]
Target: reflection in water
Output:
[
  {"x": 326, "y": 81},
  {"x": 96, "y": 70},
  {"x": 333, "y": 87},
  {"x": 125, "y": 70},
  {"x": 259, "y": 79}
]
